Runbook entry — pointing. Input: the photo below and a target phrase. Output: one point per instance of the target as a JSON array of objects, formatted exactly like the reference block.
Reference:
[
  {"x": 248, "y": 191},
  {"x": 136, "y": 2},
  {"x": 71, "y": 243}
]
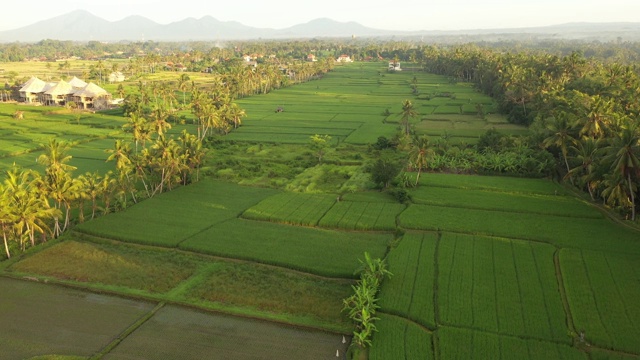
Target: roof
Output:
[
  {"x": 60, "y": 88},
  {"x": 77, "y": 83},
  {"x": 91, "y": 90},
  {"x": 34, "y": 85}
]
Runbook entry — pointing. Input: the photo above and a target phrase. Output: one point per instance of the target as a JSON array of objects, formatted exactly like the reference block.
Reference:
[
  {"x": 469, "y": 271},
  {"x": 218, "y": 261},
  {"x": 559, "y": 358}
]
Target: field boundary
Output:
[{"x": 128, "y": 331}]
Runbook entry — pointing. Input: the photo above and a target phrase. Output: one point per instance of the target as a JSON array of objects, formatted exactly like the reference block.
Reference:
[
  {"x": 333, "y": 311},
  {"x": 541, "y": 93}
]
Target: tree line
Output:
[{"x": 582, "y": 111}]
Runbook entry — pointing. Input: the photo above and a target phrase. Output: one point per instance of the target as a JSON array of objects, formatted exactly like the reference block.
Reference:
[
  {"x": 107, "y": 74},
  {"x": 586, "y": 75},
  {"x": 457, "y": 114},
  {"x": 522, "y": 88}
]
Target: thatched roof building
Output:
[
  {"x": 58, "y": 93},
  {"x": 61, "y": 92},
  {"x": 29, "y": 92},
  {"x": 88, "y": 95},
  {"x": 77, "y": 83}
]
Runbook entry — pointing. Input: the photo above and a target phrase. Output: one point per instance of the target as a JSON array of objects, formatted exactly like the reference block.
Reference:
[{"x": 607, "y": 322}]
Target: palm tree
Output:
[
  {"x": 597, "y": 117},
  {"x": 562, "y": 132},
  {"x": 55, "y": 159},
  {"x": 183, "y": 84},
  {"x": 159, "y": 122},
  {"x": 235, "y": 113},
  {"x": 6, "y": 218},
  {"x": 587, "y": 152},
  {"x": 92, "y": 190},
  {"x": 139, "y": 127},
  {"x": 420, "y": 155},
  {"x": 625, "y": 157},
  {"x": 121, "y": 153},
  {"x": 408, "y": 112}
]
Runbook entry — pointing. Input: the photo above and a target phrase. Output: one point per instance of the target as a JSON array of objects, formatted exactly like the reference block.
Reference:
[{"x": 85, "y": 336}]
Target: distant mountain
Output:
[{"x": 81, "y": 25}]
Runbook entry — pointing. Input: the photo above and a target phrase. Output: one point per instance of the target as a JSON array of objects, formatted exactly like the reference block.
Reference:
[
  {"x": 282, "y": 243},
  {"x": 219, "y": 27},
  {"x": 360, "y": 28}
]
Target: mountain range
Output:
[{"x": 80, "y": 25}]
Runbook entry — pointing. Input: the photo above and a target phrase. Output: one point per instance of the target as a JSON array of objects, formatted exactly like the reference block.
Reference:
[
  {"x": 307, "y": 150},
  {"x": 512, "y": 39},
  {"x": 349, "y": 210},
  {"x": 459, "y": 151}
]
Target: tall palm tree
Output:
[
  {"x": 625, "y": 157},
  {"x": 55, "y": 159},
  {"x": 597, "y": 117},
  {"x": 121, "y": 154},
  {"x": 420, "y": 155},
  {"x": 562, "y": 135},
  {"x": 159, "y": 116},
  {"x": 183, "y": 84},
  {"x": 587, "y": 152},
  {"x": 6, "y": 218},
  {"x": 235, "y": 113},
  {"x": 408, "y": 113}
]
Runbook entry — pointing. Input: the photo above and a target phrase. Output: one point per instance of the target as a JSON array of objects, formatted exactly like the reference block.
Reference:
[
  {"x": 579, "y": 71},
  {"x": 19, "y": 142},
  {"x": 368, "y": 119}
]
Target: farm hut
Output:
[
  {"x": 344, "y": 58},
  {"x": 58, "y": 93},
  {"x": 394, "y": 66},
  {"x": 77, "y": 83},
  {"x": 89, "y": 95},
  {"x": 116, "y": 76},
  {"x": 31, "y": 90}
]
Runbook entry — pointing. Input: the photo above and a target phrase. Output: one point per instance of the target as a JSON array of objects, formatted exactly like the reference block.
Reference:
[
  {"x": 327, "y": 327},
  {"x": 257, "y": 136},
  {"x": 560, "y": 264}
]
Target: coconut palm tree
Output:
[
  {"x": 55, "y": 159},
  {"x": 183, "y": 84},
  {"x": 159, "y": 116},
  {"x": 6, "y": 218},
  {"x": 562, "y": 135},
  {"x": 420, "y": 155},
  {"x": 408, "y": 113},
  {"x": 625, "y": 159},
  {"x": 121, "y": 154},
  {"x": 587, "y": 152}
]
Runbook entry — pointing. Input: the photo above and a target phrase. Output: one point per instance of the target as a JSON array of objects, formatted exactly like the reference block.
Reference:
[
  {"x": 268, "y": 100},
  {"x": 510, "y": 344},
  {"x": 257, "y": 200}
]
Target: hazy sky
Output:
[{"x": 389, "y": 15}]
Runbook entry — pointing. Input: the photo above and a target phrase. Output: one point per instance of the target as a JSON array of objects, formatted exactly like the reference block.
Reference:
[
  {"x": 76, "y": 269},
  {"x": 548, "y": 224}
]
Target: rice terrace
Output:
[{"x": 419, "y": 202}]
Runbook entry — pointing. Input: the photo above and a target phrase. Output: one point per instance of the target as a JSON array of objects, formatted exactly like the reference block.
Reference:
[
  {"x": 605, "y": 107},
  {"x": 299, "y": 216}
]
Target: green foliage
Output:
[
  {"x": 362, "y": 305},
  {"x": 383, "y": 171},
  {"x": 319, "y": 144},
  {"x": 491, "y": 140}
]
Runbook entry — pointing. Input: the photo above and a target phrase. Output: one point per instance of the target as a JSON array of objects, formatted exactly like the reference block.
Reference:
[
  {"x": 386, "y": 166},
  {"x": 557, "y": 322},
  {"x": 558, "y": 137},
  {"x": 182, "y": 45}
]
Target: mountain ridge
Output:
[{"x": 81, "y": 25}]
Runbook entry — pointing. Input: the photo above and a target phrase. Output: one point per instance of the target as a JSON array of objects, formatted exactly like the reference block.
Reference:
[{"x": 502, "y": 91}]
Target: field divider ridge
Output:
[
  {"x": 563, "y": 292},
  {"x": 408, "y": 320},
  {"x": 503, "y": 210},
  {"x": 128, "y": 331}
]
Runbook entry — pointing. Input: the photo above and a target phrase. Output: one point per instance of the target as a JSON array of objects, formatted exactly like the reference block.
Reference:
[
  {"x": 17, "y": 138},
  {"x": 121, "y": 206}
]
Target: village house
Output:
[
  {"x": 344, "y": 58},
  {"x": 115, "y": 77},
  {"x": 311, "y": 58},
  {"x": 36, "y": 91},
  {"x": 394, "y": 66}
]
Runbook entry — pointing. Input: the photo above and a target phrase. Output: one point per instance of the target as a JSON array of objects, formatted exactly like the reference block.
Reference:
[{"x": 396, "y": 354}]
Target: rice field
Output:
[
  {"x": 409, "y": 293},
  {"x": 483, "y": 267},
  {"x": 318, "y": 251},
  {"x": 291, "y": 208},
  {"x": 472, "y": 344},
  {"x": 402, "y": 339},
  {"x": 500, "y": 286},
  {"x": 602, "y": 290}
]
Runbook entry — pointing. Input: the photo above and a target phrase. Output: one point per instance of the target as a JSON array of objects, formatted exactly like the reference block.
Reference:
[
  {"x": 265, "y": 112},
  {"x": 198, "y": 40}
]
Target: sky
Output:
[{"x": 404, "y": 15}]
